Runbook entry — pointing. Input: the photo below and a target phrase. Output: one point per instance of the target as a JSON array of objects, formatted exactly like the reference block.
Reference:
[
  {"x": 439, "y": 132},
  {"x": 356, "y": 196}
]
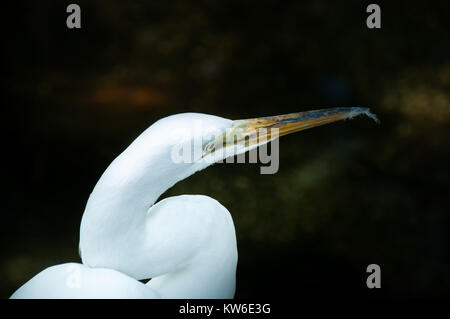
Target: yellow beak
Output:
[{"x": 253, "y": 132}]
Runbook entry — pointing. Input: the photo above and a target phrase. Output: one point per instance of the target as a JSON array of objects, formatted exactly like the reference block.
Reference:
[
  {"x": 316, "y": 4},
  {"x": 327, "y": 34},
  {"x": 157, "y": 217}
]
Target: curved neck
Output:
[
  {"x": 187, "y": 246},
  {"x": 127, "y": 189},
  {"x": 116, "y": 211}
]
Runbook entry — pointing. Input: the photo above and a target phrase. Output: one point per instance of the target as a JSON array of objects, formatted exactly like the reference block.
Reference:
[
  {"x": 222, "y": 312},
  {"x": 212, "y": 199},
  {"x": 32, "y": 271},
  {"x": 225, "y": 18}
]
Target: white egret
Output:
[{"x": 186, "y": 244}]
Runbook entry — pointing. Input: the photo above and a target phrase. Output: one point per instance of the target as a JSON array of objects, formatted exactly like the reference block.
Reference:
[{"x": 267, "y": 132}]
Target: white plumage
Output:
[{"x": 186, "y": 244}]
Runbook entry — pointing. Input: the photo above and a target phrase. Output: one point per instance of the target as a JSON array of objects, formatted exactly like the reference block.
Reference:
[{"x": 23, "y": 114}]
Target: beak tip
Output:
[{"x": 363, "y": 110}]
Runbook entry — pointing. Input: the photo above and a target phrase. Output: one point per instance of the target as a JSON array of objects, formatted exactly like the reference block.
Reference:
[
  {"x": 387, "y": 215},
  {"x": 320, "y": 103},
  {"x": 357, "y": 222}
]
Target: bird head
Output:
[{"x": 197, "y": 138}]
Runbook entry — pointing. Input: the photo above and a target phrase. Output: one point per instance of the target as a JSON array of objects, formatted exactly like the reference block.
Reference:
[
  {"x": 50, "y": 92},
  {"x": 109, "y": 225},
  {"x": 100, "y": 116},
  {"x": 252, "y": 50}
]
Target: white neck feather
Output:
[{"x": 186, "y": 244}]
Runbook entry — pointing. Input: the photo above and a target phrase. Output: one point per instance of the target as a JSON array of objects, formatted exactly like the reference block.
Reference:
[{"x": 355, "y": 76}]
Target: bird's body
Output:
[
  {"x": 186, "y": 244},
  {"x": 75, "y": 281}
]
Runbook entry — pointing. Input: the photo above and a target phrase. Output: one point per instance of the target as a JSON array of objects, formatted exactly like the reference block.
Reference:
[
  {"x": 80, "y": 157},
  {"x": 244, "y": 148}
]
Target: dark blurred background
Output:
[{"x": 347, "y": 195}]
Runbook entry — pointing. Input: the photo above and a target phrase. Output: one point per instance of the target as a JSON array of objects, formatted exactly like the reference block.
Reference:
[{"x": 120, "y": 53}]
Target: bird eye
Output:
[{"x": 209, "y": 147}]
